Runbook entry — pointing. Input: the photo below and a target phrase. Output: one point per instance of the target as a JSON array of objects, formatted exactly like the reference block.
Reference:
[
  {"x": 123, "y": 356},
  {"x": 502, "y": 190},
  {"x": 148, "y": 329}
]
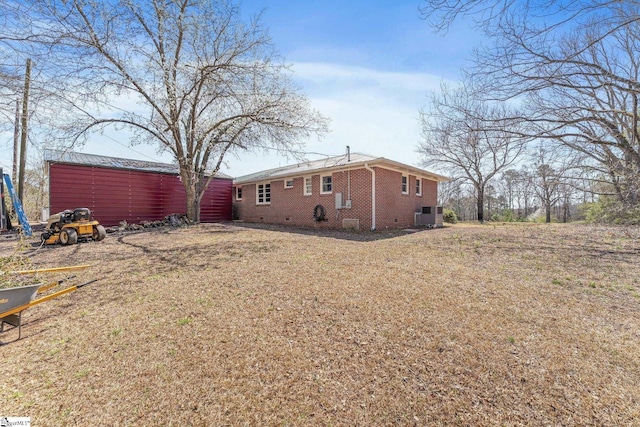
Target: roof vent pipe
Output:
[{"x": 348, "y": 154}]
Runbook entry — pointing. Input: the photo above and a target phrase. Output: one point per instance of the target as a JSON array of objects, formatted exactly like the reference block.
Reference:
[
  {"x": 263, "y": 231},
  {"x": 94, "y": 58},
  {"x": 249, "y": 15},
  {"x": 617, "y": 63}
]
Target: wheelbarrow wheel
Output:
[
  {"x": 99, "y": 233},
  {"x": 68, "y": 236}
]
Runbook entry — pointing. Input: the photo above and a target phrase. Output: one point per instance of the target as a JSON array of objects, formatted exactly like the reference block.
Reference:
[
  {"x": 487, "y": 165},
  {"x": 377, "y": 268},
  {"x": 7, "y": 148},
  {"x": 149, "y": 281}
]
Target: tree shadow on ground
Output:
[{"x": 340, "y": 234}]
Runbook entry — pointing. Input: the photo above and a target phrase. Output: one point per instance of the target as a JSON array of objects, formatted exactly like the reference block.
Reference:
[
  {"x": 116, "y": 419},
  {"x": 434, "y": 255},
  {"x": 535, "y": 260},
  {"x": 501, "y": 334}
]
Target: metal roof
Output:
[
  {"x": 72, "y": 157},
  {"x": 354, "y": 160}
]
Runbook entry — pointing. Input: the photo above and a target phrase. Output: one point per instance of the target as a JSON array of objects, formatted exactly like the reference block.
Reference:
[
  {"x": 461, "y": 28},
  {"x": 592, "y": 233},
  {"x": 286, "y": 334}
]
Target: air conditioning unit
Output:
[{"x": 430, "y": 216}]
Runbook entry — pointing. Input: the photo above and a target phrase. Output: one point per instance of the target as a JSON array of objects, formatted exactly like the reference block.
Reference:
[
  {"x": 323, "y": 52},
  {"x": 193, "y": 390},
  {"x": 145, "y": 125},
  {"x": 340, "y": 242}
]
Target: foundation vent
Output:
[{"x": 351, "y": 223}]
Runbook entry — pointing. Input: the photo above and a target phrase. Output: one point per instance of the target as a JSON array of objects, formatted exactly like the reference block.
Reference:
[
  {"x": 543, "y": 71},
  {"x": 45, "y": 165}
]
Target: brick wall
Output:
[
  {"x": 291, "y": 206},
  {"x": 430, "y": 191},
  {"x": 395, "y": 209}
]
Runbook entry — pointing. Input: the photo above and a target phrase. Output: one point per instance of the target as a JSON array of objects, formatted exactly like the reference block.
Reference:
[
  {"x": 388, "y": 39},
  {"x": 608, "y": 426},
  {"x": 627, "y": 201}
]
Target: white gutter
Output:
[{"x": 373, "y": 195}]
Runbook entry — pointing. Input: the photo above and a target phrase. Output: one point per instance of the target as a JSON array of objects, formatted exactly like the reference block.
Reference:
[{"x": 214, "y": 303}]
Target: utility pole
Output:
[
  {"x": 23, "y": 136},
  {"x": 16, "y": 141}
]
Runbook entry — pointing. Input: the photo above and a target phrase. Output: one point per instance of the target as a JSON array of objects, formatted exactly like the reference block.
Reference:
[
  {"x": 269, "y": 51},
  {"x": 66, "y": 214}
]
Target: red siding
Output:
[{"x": 114, "y": 195}]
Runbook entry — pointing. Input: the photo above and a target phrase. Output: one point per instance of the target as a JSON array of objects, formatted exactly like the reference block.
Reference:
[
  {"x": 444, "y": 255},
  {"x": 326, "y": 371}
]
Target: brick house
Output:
[{"x": 351, "y": 191}]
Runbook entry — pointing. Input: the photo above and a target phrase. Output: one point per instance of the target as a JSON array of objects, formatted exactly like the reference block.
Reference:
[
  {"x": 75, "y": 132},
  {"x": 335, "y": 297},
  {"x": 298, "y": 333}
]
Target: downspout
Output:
[{"x": 373, "y": 195}]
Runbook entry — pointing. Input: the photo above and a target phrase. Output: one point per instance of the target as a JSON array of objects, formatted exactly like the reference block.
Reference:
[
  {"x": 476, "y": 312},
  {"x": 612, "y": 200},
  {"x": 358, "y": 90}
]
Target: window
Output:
[
  {"x": 327, "y": 184},
  {"x": 238, "y": 193},
  {"x": 405, "y": 184},
  {"x": 263, "y": 195},
  {"x": 418, "y": 186},
  {"x": 288, "y": 183},
  {"x": 308, "y": 187}
]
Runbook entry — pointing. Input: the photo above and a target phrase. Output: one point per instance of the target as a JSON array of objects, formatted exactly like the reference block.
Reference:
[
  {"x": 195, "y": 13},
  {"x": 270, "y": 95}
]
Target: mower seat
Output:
[{"x": 81, "y": 214}]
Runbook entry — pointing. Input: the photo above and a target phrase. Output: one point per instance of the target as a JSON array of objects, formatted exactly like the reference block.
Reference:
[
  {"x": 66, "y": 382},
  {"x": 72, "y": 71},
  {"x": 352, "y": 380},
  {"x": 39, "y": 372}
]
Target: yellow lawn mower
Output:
[{"x": 72, "y": 225}]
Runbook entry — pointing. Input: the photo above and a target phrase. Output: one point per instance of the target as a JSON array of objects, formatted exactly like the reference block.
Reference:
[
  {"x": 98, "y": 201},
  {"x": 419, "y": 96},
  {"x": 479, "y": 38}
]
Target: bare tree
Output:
[
  {"x": 591, "y": 104},
  {"x": 576, "y": 66},
  {"x": 11, "y": 73},
  {"x": 190, "y": 75},
  {"x": 36, "y": 185},
  {"x": 526, "y": 193},
  {"x": 548, "y": 181},
  {"x": 500, "y": 17},
  {"x": 471, "y": 139},
  {"x": 459, "y": 196},
  {"x": 508, "y": 184},
  {"x": 554, "y": 176},
  {"x": 447, "y": 191},
  {"x": 516, "y": 187}
]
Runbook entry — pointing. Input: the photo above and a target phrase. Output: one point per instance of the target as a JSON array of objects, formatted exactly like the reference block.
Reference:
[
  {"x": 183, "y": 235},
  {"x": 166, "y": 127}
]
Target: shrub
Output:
[
  {"x": 449, "y": 215},
  {"x": 505, "y": 216},
  {"x": 611, "y": 211},
  {"x": 592, "y": 212},
  {"x": 508, "y": 216}
]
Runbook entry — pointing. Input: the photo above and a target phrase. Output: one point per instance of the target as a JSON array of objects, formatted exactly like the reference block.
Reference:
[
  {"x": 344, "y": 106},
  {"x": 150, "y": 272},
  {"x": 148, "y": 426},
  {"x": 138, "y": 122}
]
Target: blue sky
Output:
[
  {"x": 381, "y": 35},
  {"x": 367, "y": 65}
]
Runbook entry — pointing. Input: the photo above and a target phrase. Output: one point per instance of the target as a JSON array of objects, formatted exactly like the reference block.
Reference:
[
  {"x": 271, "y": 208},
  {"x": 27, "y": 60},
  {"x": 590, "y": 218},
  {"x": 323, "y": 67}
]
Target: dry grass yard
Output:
[{"x": 225, "y": 325}]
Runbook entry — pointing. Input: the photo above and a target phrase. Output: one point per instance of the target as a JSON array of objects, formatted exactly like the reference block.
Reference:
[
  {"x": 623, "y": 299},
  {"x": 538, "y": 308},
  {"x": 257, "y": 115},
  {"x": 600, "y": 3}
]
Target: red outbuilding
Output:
[{"x": 128, "y": 190}]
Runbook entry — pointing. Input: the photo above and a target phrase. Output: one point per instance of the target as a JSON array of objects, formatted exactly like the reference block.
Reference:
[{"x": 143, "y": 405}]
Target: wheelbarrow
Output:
[{"x": 14, "y": 301}]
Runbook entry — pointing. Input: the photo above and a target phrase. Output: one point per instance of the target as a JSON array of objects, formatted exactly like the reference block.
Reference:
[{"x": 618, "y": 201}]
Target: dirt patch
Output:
[{"x": 229, "y": 325}]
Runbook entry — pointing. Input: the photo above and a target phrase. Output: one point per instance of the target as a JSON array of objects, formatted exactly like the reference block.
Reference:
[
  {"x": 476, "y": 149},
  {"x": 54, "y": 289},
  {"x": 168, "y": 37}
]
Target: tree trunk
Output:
[
  {"x": 548, "y": 211},
  {"x": 193, "y": 202},
  {"x": 480, "y": 205},
  {"x": 193, "y": 209},
  {"x": 191, "y": 186}
]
